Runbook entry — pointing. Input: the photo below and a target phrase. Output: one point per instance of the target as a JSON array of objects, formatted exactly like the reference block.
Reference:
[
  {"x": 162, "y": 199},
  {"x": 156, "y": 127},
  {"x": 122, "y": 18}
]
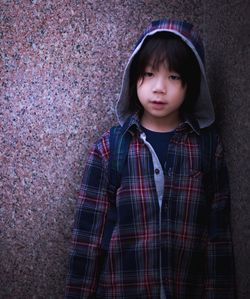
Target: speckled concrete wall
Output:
[
  {"x": 61, "y": 69},
  {"x": 227, "y": 36}
]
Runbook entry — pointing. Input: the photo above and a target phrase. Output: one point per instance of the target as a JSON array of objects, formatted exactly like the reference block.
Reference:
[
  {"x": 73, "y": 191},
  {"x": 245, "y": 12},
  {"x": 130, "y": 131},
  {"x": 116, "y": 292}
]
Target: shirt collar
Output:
[
  {"x": 189, "y": 124},
  {"x": 132, "y": 124}
]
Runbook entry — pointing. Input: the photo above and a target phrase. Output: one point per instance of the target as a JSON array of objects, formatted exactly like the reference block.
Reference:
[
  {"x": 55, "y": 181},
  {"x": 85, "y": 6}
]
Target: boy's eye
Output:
[
  {"x": 148, "y": 74},
  {"x": 175, "y": 77}
]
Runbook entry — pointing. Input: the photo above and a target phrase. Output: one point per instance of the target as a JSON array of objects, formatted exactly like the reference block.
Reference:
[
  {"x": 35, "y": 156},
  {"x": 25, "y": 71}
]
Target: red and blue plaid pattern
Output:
[
  {"x": 191, "y": 230},
  {"x": 179, "y": 27}
]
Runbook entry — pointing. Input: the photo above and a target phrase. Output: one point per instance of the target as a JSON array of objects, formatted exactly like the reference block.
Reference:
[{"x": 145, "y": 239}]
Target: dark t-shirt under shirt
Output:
[{"x": 159, "y": 142}]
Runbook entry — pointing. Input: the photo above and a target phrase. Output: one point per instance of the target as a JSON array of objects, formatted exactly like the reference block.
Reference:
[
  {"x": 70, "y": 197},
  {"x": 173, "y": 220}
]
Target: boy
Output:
[{"x": 171, "y": 233}]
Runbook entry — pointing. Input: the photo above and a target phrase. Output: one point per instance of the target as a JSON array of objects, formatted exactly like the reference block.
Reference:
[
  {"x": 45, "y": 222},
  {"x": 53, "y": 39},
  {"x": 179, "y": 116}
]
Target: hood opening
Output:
[{"x": 183, "y": 51}]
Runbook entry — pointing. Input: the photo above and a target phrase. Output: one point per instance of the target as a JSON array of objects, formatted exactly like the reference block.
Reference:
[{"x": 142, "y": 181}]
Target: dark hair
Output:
[{"x": 166, "y": 47}]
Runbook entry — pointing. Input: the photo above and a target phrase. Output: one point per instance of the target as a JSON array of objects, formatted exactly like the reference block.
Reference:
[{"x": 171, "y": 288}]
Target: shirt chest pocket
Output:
[
  {"x": 186, "y": 182},
  {"x": 184, "y": 172},
  {"x": 186, "y": 197}
]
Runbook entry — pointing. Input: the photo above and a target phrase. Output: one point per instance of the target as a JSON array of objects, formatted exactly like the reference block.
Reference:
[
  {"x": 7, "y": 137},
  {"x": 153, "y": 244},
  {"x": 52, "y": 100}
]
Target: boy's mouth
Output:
[
  {"x": 160, "y": 103},
  {"x": 157, "y": 105}
]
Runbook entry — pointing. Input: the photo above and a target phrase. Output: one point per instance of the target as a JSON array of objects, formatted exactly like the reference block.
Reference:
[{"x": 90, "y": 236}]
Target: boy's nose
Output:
[{"x": 160, "y": 86}]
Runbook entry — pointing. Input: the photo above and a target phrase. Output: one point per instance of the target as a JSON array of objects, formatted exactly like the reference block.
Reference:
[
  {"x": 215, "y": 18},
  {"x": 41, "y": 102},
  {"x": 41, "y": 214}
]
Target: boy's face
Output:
[{"x": 161, "y": 93}]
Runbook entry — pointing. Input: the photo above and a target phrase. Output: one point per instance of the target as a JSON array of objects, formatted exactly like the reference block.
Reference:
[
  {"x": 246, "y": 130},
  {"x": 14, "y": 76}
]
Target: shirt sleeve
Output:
[
  {"x": 220, "y": 282},
  {"x": 86, "y": 253}
]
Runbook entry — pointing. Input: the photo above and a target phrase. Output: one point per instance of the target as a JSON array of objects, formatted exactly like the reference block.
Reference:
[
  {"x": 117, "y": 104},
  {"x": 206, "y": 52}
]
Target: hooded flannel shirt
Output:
[{"x": 183, "y": 245}]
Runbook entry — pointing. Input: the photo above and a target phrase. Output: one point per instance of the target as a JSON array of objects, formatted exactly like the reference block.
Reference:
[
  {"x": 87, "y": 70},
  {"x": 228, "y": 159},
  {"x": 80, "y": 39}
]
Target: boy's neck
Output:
[{"x": 160, "y": 124}]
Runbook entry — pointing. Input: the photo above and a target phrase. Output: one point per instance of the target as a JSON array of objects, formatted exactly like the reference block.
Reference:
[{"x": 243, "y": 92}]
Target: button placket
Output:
[{"x": 157, "y": 171}]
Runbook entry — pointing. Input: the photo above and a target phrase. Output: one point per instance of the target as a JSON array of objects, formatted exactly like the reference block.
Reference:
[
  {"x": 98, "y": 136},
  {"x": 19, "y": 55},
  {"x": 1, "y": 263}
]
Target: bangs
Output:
[
  {"x": 170, "y": 56},
  {"x": 167, "y": 49}
]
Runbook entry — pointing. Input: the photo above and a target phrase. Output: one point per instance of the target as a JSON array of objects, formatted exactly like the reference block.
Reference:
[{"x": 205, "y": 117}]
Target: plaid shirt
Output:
[{"x": 185, "y": 243}]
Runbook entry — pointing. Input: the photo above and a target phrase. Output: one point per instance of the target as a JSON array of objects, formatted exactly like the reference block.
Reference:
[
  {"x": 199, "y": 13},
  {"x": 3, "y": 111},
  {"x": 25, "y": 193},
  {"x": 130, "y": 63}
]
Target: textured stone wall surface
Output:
[
  {"x": 227, "y": 37},
  {"x": 60, "y": 74}
]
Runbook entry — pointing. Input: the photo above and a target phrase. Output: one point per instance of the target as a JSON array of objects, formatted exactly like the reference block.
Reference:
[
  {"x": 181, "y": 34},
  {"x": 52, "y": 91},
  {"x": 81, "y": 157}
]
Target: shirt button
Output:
[{"x": 157, "y": 171}]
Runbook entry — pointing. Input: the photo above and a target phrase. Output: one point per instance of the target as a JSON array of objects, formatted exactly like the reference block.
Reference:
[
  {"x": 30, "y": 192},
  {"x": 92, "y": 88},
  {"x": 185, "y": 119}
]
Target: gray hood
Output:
[{"x": 203, "y": 110}]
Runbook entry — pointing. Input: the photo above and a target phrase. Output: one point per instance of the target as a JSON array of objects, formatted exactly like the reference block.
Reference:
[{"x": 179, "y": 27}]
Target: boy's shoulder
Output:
[
  {"x": 102, "y": 144},
  {"x": 210, "y": 130},
  {"x": 211, "y": 135},
  {"x": 104, "y": 137}
]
